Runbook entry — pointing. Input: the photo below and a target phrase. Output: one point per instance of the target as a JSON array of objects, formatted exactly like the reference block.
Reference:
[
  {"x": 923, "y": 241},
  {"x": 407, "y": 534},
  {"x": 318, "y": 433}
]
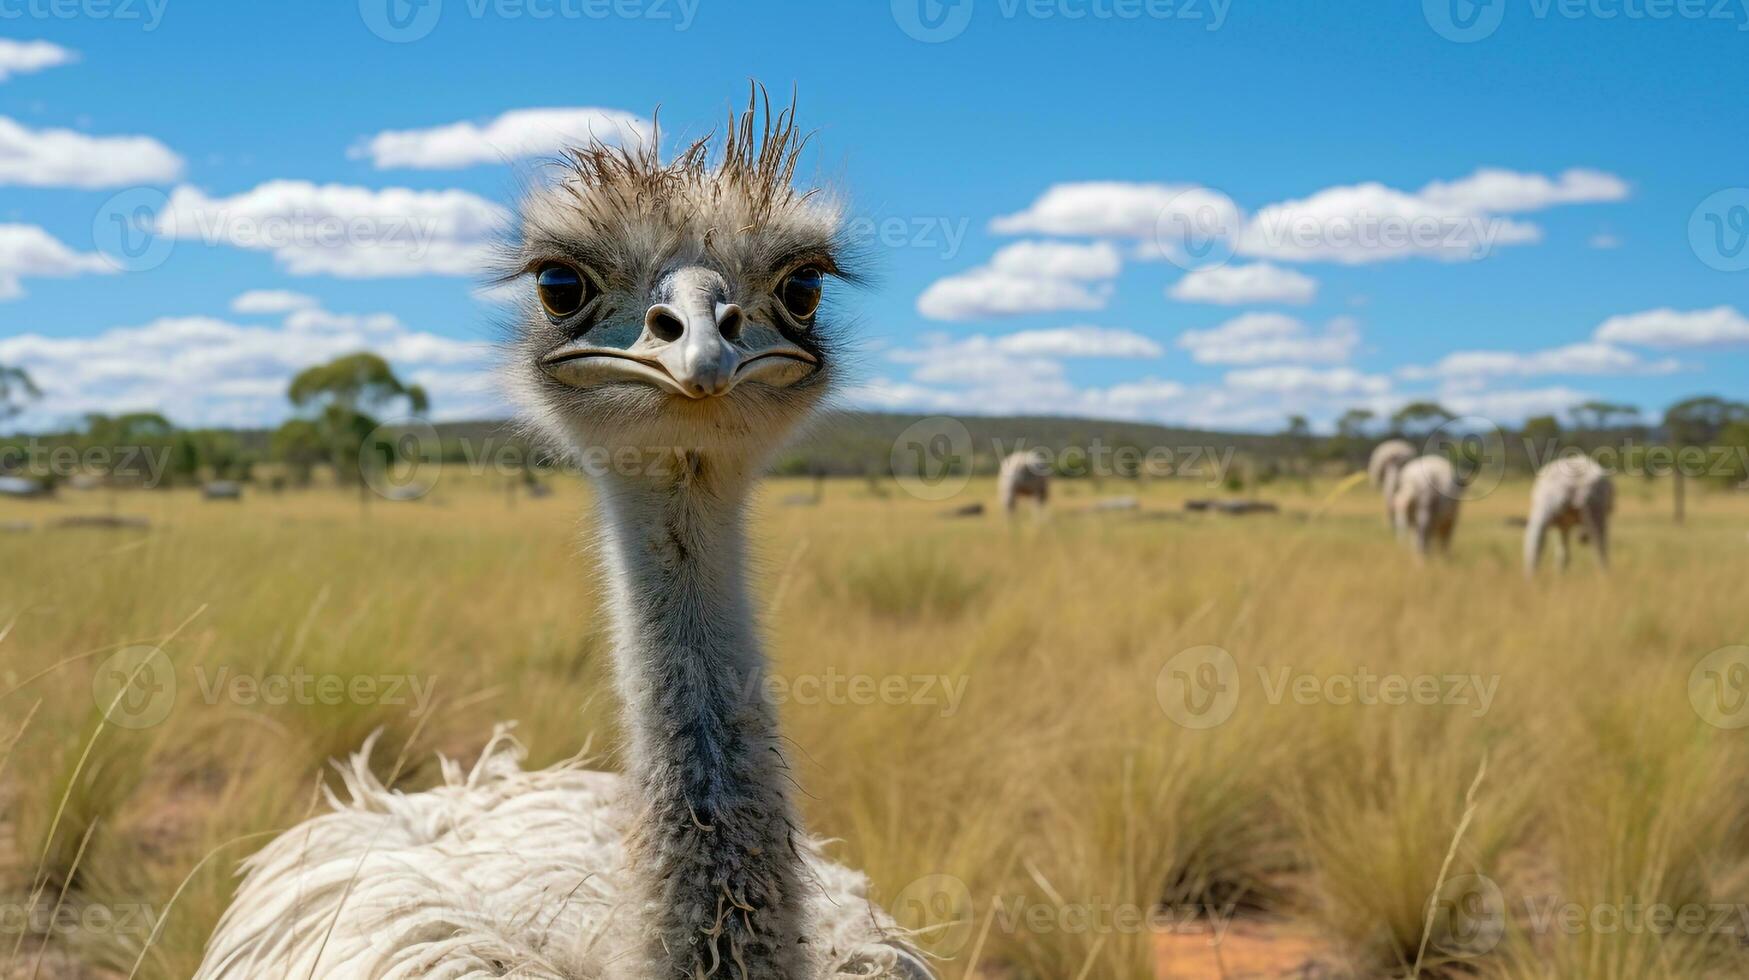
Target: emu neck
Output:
[{"x": 712, "y": 856}]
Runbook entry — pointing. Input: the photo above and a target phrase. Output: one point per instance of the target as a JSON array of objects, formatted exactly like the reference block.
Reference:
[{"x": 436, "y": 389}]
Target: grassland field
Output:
[{"x": 1058, "y": 746}]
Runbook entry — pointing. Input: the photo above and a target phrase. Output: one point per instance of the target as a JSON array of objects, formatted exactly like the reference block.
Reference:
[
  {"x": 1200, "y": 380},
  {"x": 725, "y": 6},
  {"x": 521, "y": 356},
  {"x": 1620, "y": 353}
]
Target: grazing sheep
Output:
[
  {"x": 1024, "y": 474},
  {"x": 1382, "y": 469},
  {"x": 1426, "y": 502},
  {"x": 1571, "y": 491}
]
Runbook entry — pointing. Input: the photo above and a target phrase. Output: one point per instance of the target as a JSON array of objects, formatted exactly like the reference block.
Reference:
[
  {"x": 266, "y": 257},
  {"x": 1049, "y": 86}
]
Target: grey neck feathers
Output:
[{"x": 713, "y": 854}]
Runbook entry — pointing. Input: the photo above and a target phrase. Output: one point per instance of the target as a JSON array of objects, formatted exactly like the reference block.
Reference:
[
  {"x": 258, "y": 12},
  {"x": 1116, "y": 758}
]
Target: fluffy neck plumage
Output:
[{"x": 712, "y": 855}]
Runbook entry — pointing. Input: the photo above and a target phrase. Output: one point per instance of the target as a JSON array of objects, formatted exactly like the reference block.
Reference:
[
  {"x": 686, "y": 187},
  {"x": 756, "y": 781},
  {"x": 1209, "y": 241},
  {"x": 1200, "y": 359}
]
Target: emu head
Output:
[{"x": 678, "y": 305}]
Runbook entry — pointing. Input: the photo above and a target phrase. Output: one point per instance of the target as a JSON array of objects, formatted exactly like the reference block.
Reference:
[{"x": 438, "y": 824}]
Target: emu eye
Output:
[
  {"x": 563, "y": 290},
  {"x": 800, "y": 292}
]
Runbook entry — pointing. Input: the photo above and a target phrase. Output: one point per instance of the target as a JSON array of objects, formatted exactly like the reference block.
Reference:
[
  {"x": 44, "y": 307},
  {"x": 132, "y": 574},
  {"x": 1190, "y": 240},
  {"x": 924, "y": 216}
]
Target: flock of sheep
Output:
[{"x": 1421, "y": 495}]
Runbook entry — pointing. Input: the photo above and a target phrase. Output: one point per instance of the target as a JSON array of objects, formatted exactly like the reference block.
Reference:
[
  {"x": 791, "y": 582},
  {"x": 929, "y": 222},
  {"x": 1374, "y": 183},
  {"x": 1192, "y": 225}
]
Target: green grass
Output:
[{"x": 1057, "y": 784}]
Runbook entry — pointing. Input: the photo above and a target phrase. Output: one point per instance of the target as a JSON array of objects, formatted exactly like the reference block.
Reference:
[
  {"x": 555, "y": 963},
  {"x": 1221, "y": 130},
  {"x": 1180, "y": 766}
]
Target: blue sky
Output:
[{"x": 1507, "y": 207}]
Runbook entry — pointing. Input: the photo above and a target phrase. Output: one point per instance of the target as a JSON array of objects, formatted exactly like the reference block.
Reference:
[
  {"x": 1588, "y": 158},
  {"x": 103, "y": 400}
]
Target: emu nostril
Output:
[
  {"x": 729, "y": 322},
  {"x": 662, "y": 322}
]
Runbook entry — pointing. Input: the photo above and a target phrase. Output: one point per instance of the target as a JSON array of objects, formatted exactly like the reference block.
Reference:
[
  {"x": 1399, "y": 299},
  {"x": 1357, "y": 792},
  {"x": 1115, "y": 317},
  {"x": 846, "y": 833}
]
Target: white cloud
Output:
[
  {"x": 201, "y": 370},
  {"x": 1080, "y": 341},
  {"x": 1263, "y": 338},
  {"x": 1115, "y": 209},
  {"x": 65, "y": 158},
  {"x": 1365, "y": 223},
  {"x": 1455, "y": 220},
  {"x": 1588, "y": 357},
  {"x": 1058, "y": 260},
  {"x": 514, "y": 134},
  {"x": 1026, "y": 277},
  {"x": 1293, "y": 379},
  {"x": 1233, "y": 285},
  {"x": 24, "y": 57},
  {"x": 1018, "y": 359},
  {"x": 28, "y": 251},
  {"x": 272, "y": 301},
  {"x": 1603, "y": 239},
  {"x": 1512, "y": 406},
  {"x": 1492, "y": 190},
  {"x": 340, "y": 230},
  {"x": 1721, "y": 326}
]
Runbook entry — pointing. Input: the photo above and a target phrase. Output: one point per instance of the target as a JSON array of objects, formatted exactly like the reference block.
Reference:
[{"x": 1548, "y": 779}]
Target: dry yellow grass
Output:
[{"x": 977, "y": 709}]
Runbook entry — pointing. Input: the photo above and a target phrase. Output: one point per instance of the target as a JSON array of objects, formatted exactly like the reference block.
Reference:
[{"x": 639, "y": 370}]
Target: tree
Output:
[
  {"x": 1542, "y": 436},
  {"x": 1696, "y": 422},
  {"x": 343, "y": 393},
  {"x": 299, "y": 444},
  {"x": 359, "y": 383},
  {"x": 1420, "y": 418},
  {"x": 16, "y": 390},
  {"x": 1353, "y": 423},
  {"x": 1597, "y": 415}
]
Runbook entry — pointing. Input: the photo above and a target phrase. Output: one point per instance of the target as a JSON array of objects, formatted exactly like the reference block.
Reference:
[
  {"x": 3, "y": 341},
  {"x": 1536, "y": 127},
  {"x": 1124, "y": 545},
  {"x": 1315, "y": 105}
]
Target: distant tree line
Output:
[{"x": 337, "y": 406}]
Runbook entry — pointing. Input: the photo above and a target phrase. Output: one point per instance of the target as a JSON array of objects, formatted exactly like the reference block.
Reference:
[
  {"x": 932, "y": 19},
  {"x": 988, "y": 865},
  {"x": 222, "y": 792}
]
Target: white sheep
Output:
[
  {"x": 1425, "y": 502},
  {"x": 1387, "y": 460},
  {"x": 1023, "y": 474},
  {"x": 1571, "y": 491}
]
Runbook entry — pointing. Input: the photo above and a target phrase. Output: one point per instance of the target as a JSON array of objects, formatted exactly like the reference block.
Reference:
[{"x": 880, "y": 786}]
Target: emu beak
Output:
[{"x": 689, "y": 351}]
